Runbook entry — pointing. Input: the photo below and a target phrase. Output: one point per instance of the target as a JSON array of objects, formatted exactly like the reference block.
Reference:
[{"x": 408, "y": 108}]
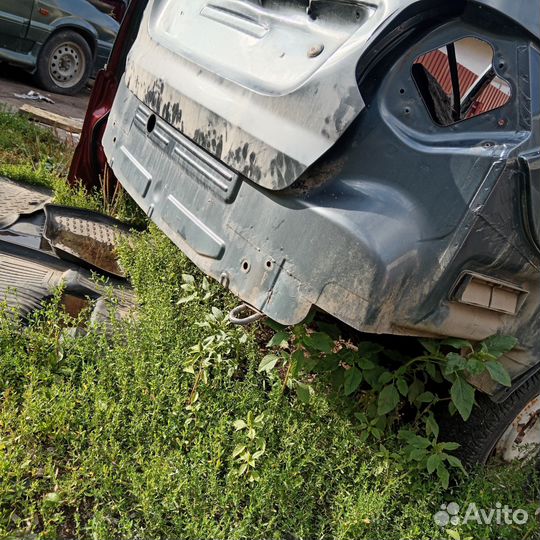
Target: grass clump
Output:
[{"x": 32, "y": 154}]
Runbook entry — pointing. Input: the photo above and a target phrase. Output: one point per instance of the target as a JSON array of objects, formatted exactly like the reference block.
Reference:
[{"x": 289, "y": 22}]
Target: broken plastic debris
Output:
[{"x": 34, "y": 96}]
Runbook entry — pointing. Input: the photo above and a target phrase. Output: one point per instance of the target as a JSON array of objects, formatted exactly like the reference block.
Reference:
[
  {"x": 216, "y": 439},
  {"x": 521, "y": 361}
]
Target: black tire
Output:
[
  {"x": 64, "y": 63},
  {"x": 487, "y": 423}
]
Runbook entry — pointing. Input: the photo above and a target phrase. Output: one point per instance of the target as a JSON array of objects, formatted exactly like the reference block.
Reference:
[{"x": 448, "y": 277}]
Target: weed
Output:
[
  {"x": 247, "y": 454},
  {"x": 383, "y": 390},
  {"x": 31, "y": 154}
]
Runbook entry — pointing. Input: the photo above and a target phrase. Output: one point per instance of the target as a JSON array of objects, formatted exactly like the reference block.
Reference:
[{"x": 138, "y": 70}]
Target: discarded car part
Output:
[
  {"x": 29, "y": 269},
  {"x": 29, "y": 277},
  {"x": 106, "y": 310},
  {"x": 85, "y": 237},
  {"x": 20, "y": 199},
  {"x": 27, "y": 231},
  {"x": 34, "y": 96},
  {"x": 239, "y": 315},
  {"x": 373, "y": 202},
  {"x": 404, "y": 203}
]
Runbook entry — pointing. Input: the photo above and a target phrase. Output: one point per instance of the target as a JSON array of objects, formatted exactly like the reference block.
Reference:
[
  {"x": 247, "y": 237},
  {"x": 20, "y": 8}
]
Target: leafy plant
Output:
[
  {"x": 385, "y": 383},
  {"x": 430, "y": 455},
  {"x": 219, "y": 348},
  {"x": 193, "y": 291},
  {"x": 454, "y": 535},
  {"x": 251, "y": 449},
  {"x": 297, "y": 351}
]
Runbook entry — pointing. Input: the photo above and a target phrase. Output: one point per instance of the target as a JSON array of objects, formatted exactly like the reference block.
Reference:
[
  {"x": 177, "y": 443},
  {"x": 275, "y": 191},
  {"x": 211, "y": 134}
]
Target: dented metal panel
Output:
[{"x": 378, "y": 231}]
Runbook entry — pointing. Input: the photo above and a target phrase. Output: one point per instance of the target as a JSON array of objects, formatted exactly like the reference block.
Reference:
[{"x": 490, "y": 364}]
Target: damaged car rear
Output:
[{"x": 378, "y": 161}]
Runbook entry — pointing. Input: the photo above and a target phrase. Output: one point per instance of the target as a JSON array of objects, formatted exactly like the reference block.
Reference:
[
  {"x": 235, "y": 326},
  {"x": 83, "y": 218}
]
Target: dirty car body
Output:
[{"x": 286, "y": 148}]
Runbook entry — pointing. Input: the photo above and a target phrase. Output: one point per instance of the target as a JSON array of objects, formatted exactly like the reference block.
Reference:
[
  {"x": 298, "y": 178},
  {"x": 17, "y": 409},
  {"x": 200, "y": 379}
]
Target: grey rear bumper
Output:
[{"x": 280, "y": 252}]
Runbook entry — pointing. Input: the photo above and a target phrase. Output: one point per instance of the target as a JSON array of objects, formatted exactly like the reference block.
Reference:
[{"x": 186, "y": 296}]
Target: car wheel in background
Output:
[
  {"x": 64, "y": 63},
  {"x": 506, "y": 431}
]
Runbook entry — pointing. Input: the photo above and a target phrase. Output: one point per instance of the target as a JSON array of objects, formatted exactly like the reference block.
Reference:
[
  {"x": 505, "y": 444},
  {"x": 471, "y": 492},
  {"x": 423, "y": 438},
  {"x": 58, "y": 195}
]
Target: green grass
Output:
[
  {"x": 98, "y": 438},
  {"x": 31, "y": 154}
]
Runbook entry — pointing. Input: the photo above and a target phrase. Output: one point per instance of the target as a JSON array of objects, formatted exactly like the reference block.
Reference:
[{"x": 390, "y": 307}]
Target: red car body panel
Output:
[{"x": 89, "y": 162}]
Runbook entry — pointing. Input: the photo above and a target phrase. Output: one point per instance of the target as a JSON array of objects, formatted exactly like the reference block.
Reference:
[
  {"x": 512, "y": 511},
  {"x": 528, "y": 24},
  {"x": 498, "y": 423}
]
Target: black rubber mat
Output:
[
  {"x": 28, "y": 277},
  {"x": 20, "y": 199},
  {"x": 27, "y": 231},
  {"x": 84, "y": 237}
]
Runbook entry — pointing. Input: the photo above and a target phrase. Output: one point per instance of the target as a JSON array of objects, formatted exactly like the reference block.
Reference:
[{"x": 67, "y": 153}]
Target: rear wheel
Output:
[
  {"x": 508, "y": 431},
  {"x": 64, "y": 63}
]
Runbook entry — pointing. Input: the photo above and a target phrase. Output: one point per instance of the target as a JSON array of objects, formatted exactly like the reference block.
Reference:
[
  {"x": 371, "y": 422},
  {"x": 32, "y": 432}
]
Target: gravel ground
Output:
[{"x": 17, "y": 81}]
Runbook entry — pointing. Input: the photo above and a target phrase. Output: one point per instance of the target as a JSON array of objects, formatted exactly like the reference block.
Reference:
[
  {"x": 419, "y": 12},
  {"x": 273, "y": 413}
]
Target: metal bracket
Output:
[{"x": 235, "y": 315}]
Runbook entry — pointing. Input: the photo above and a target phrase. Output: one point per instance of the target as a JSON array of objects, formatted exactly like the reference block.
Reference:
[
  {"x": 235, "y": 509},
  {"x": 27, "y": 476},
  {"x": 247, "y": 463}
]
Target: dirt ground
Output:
[{"x": 17, "y": 81}]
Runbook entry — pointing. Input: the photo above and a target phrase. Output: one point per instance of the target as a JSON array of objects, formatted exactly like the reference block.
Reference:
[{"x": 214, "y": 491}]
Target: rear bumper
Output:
[{"x": 281, "y": 252}]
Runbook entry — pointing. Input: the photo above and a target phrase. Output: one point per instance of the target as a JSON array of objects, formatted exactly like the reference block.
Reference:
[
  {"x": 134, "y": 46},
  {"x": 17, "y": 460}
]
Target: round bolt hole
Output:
[
  {"x": 402, "y": 90},
  {"x": 269, "y": 264},
  {"x": 151, "y": 124},
  {"x": 245, "y": 266},
  {"x": 407, "y": 110}
]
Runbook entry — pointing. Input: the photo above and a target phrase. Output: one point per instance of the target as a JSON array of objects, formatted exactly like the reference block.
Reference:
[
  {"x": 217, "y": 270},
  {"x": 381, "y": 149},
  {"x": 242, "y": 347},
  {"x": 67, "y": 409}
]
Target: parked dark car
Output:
[
  {"x": 115, "y": 8},
  {"x": 378, "y": 161},
  {"x": 63, "y": 42}
]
